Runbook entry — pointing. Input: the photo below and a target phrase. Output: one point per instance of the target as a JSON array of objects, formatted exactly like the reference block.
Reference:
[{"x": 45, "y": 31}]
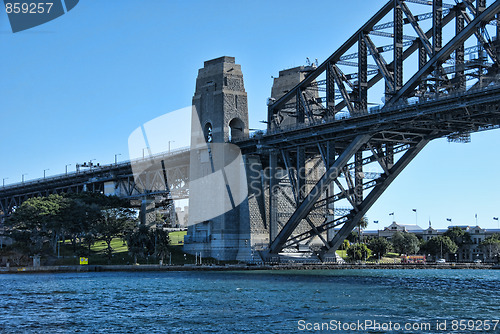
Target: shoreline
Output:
[{"x": 237, "y": 267}]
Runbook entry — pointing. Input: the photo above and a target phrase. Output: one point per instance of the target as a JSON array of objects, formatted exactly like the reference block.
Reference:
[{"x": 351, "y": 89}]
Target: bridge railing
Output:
[
  {"x": 93, "y": 170},
  {"x": 381, "y": 109}
]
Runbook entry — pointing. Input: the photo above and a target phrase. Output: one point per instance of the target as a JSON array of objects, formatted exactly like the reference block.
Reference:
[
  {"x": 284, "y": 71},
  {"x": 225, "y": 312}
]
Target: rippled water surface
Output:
[{"x": 245, "y": 302}]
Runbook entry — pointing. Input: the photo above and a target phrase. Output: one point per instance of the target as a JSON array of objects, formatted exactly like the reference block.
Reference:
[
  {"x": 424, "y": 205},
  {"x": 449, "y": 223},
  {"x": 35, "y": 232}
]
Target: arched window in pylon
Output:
[
  {"x": 237, "y": 128},
  {"x": 208, "y": 132}
]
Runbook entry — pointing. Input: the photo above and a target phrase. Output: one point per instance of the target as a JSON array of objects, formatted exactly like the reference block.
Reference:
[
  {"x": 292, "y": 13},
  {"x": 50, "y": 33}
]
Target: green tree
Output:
[
  {"x": 352, "y": 237},
  {"x": 144, "y": 241},
  {"x": 405, "y": 243},
  {"x": 441, "y": 245},
  {"x": 458, "y": 236},
  {"x": 114, "y": 223},
  {"x": 80, "y": 219},
  {"x": 162, "y": 242},
  {"x": 379, "y": 246},
  {"x": 139, "y": 242},
  {"x": 35, "y": 224},
  {"x": 363, "y": 223},
  {"x": 358, "y": 251},
  {"x": 491, "y": 246}
]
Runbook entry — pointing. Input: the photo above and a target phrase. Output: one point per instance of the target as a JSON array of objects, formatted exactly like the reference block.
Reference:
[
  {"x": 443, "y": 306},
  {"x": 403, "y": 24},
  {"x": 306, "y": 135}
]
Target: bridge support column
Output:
[
  {"x": 358, "y": 177},
  {"x": 330, "y": 205},
  {"x": 273, "y": 195},
  {"x": 148, "y": 213},
  {"x": 301, "y": 172}
]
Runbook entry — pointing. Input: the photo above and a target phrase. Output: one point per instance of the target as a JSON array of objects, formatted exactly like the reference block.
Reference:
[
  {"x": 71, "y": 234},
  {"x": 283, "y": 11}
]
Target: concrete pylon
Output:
[{"x": 217, "y": 187}]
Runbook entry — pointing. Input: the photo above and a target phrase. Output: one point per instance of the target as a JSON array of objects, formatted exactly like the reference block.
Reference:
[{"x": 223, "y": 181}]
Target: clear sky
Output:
[{"x": 74, "y": 89}]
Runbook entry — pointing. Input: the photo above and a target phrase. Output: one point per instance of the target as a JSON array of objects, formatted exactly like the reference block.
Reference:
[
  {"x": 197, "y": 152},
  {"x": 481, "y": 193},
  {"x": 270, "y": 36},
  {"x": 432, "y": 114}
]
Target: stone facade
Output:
[
  {"x": 221, "y": 199},
  {"x": 288, "y": 79}
]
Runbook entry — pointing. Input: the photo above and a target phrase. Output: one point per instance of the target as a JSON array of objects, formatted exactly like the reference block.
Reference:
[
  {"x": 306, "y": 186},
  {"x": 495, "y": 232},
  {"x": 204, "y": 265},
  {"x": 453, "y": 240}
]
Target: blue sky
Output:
[{"x": 75, "y": 88}]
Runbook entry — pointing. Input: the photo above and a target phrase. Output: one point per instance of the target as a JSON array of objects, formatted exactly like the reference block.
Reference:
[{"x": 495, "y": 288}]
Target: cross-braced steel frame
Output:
[
  {"x": 321, "y": 160},
  {"x": 163, "y": 175}
]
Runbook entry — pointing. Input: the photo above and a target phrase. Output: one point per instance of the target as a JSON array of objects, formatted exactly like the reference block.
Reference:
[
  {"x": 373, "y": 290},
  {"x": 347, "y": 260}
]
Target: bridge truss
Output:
[
  {"x": 430, "y": 90},
  {"x": 135, "y": 180}
]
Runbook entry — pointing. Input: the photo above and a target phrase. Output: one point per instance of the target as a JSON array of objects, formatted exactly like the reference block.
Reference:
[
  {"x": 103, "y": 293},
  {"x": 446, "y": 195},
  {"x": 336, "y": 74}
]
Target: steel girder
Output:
[
  {"x": 385, "y": 138},
  {"x": 431, "y": 81},
  {"x": 355, "y": 217}
]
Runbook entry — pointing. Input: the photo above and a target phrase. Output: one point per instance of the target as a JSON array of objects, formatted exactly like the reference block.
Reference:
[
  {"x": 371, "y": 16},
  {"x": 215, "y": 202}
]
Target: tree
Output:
[
  {"x": 139, "y": 242},
  {"x": 405, "y": 243},
  {"x": 491, "y": 246},
  {"x": 458, "y": 236},
  {"x": 363, "y": 223},
  {"x": 162, "y": 241},
  {"x": 352, "y": 237},
  {"x": 379, "y": 246},
  {"x": 144, "y": 241},
  {"x": 358, "y": 251},
  {"x": 80, "y": 219},
  {"x": 441, "y": 245},
  {"x": 345, "y": 244},
  {"x": 114, "y": 223},
  {"x": 36, "y": 223}
]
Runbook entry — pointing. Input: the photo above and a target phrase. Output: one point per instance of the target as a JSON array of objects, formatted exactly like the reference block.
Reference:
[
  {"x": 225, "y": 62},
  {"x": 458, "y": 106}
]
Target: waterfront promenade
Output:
[{"x": 233, "y": 267}]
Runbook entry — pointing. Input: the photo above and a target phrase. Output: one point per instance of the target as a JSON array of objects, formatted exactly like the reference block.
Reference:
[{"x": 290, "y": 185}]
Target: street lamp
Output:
[
  {"x": 23, "y": 176},
  {"x": 67, "y": 169},
  {"x": 145, "y": 148},
  {"x": 5, "y": 178},
  {"x": 116, "y": 158},
  {"x": 45, "y": 171},
  {"x": 416, "y": 216},
  {"x": 170, "y": 141}
]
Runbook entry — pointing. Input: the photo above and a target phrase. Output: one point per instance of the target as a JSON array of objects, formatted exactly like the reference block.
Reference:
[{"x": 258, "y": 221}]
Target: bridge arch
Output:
[
  {"x": 208, "y": 132},
  {"x": 236, "y": 128}
]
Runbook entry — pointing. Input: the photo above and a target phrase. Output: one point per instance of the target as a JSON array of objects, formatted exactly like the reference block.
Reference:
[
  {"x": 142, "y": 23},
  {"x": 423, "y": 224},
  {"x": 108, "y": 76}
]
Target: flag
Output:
[
  {"x": 414, "y": 210},
  {"x": 376, "y": 221},
  {"x": 476, "y": 215},
  {"x": 391, "y": 214},
  {"x": 448, "y": 219}
]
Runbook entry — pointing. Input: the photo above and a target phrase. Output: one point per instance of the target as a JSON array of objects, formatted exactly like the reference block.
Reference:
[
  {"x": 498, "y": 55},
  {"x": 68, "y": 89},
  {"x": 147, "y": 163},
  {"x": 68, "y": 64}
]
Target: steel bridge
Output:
[
  {"x": 326, "y": 155},
  {"x": 322, "y": 129},
  {"x": 117, "y": 179}
]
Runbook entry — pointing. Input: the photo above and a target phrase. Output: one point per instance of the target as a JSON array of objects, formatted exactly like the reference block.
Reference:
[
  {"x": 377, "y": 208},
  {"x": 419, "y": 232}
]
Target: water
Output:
[{"x": 246, "y": 302}]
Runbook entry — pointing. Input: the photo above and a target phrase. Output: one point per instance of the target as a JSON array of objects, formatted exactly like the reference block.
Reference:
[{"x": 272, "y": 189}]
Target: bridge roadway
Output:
[
  {"x": 447, "y": 116},
  {"x": 114, "y": 178}
]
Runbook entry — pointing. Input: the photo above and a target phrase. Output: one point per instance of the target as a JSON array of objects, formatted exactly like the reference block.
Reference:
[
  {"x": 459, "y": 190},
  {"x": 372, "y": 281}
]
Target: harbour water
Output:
[{"x": 338, "y": 301}]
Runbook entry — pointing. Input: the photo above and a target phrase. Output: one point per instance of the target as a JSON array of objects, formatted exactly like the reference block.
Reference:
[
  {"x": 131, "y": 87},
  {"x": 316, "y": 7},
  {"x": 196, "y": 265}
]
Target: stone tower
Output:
[
  {"x": 287, "y": 80},
  {"x": 218, "y": 186}
]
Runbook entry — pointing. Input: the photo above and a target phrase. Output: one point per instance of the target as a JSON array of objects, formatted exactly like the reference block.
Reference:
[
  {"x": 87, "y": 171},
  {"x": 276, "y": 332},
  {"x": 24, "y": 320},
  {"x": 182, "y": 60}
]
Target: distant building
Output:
[
  {"x": 389, "y": 231},
  {"x": 182, "y": 216},
  {"x": 466, "y": 253}
]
